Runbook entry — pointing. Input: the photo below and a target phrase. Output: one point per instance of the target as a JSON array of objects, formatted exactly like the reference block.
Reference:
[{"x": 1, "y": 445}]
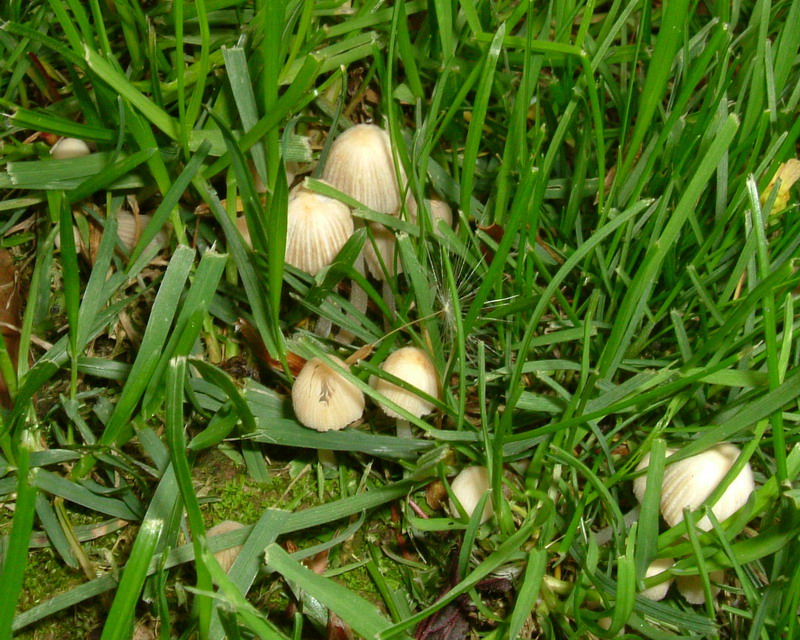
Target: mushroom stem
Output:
[
  {"x": 358, "y": 298},
  {"x": 322, "y": 327},
  {"x": 327, "y": 458},
  {"x": 604, "y": 535},
  {"x": 404, "y": 429},
  {"x": 388, "y": 298}
]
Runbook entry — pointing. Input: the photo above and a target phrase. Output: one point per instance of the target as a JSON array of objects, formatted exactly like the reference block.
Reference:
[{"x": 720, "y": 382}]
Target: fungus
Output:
[
  {"x": 691, "y": 587},
  {"x": 226, "y": 557},
  {"x": 414, "y": 367},
  {"x": 468, "y": 487},
  {"x": 317, "y": 227},
  {"x": 67, "y": 148},
  {"x": 659, "y": 591},
  {"x": 360, "y": 164},
  {"x": 325, "y": 400},
  {"x": 687, "y": 483}
]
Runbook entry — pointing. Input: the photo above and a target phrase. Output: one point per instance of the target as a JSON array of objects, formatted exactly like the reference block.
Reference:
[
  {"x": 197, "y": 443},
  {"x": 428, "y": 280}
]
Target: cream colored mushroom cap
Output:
[
  {"x": 317, "y": 227},
  {"x": 439, "y": 210},
  {"x": 130, "y": 228},
  {"x": 415, "y": 367},
  {"x": 67, "y": 148},
  {"x": 691, "y": 587},
  {"x": 323, "y": 399},
  {"x": 360, "y": 164},
  {"x": 469, "y": 487},
  {"x": 687, "y": 484},
  {"x": 658, "y": 592},
  {"x": 226, "y": 557}
]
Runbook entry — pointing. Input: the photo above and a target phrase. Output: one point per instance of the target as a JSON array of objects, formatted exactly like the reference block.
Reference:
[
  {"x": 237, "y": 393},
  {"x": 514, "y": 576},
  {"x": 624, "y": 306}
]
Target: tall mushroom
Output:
[{"x": 360, "y": 164}]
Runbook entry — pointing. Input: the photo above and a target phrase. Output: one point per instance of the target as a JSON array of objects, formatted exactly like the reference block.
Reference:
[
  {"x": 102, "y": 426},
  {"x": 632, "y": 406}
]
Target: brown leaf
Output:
[
  {"x": 259, "y": 349},
  {"x": 10, "y": 313},
  {"x": 338, "y": 629},
  {"x": 449, "y": 623},
  {"x": 495, "y": 232}
]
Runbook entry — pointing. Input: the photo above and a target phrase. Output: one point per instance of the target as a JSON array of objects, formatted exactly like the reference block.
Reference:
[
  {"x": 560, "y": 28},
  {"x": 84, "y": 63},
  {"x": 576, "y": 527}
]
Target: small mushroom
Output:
[
  {"x": 691, "y": 587},
  {"x": 325, "y": 400},
  {"x": 687, "y": 483},
  {"x": 415, "y": 367},
  {"x": 317, "y": 227},
  {"x": 360, "y": 164},
  {"x": 385, "y": 239},
  {"x": 659, "y": 591},
  {"x": 67, "y": 148},
  {"x": 469, "y": 486},
  {"x": 226, "y": 557}
]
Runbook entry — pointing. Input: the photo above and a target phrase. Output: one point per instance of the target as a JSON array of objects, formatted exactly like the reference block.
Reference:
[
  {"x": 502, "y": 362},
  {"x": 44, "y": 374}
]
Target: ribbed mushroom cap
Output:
[
  {"x": 360, "y": 164},
  {"x": 469, "y": 487},
  {"x": 658, "y": 592},
  {"x": 687, "y": 484},
  {"x": 316, "y": 229},
  {"x": 130, "y": 228},
  {"x": 415, "y": 367},
  {"x": 67, "y": 148},
  {"x": 323, "y": 399}
]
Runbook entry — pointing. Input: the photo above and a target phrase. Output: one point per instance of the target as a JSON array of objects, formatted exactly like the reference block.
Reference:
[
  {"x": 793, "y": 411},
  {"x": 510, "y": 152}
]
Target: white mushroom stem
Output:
[
  {"x": 404, "y": 429},
  {"x": 322, "y": 327},
  {"x": 388, "y": 298},
  {"x": 358, "y": 299},
  {"x": 604, "y": 535}
]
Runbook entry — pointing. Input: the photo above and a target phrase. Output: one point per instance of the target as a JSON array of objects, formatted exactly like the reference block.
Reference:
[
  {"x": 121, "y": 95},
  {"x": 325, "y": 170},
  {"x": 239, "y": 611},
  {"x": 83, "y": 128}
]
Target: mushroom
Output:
[
  {"x": 691, "y": 587},
  {"x": 468, "y": 487},
  {"x": 226, "y": 557},
  {"x": 317, "y": 227},
  {"x": 129, "y": 230},
  {"x": 414, "y": 367},
  {"x": 659, "y": 591},
  {"x": 360, "y": 164},
  {"x": 67, "y": 148},
  {"x": 687, "y": 483},
  {"x": 325, "y": 400},
  {"x": 385, "y": 240}
]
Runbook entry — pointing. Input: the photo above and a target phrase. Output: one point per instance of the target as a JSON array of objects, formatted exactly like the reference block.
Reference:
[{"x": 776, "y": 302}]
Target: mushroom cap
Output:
[
  {"x": 323, "y": 399},
  {"x": 317, "y": 227},
  {"x": 130, "y": 228},
  {"x": 691, "y": 587},
  {"x": 360, "y": 164},
  {"x": 658, "y": 592},
  {"x": 469, "y": 487},
  {"x": 439, "y": 210},
  {"x": 687, "y": 484},
  {"x": 226, "y": 557},
  {"x": 67, "y": 148},
  {"x": 415, "y": 367}
]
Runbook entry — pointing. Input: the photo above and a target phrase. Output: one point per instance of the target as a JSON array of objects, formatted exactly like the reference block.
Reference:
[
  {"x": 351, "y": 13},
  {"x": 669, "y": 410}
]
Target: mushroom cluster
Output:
[
  {"x": 325, "y": 400},
  {"x": 687, "y": 484}
]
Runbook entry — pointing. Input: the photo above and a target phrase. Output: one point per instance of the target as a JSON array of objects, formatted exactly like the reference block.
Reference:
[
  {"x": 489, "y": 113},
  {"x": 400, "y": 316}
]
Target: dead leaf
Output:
[
  {"x": 788, "y": 173},
  {"x": 338, "y": 629},
  {"x": 10, "y": 314}
]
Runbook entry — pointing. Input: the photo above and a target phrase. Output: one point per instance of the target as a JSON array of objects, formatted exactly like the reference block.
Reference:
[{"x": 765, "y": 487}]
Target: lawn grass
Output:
[{"x": 620, "y": 278}]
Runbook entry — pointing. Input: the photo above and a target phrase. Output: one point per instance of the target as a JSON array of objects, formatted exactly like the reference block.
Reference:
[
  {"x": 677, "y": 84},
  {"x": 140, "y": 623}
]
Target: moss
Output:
[{"x": 47, "y": 576}]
